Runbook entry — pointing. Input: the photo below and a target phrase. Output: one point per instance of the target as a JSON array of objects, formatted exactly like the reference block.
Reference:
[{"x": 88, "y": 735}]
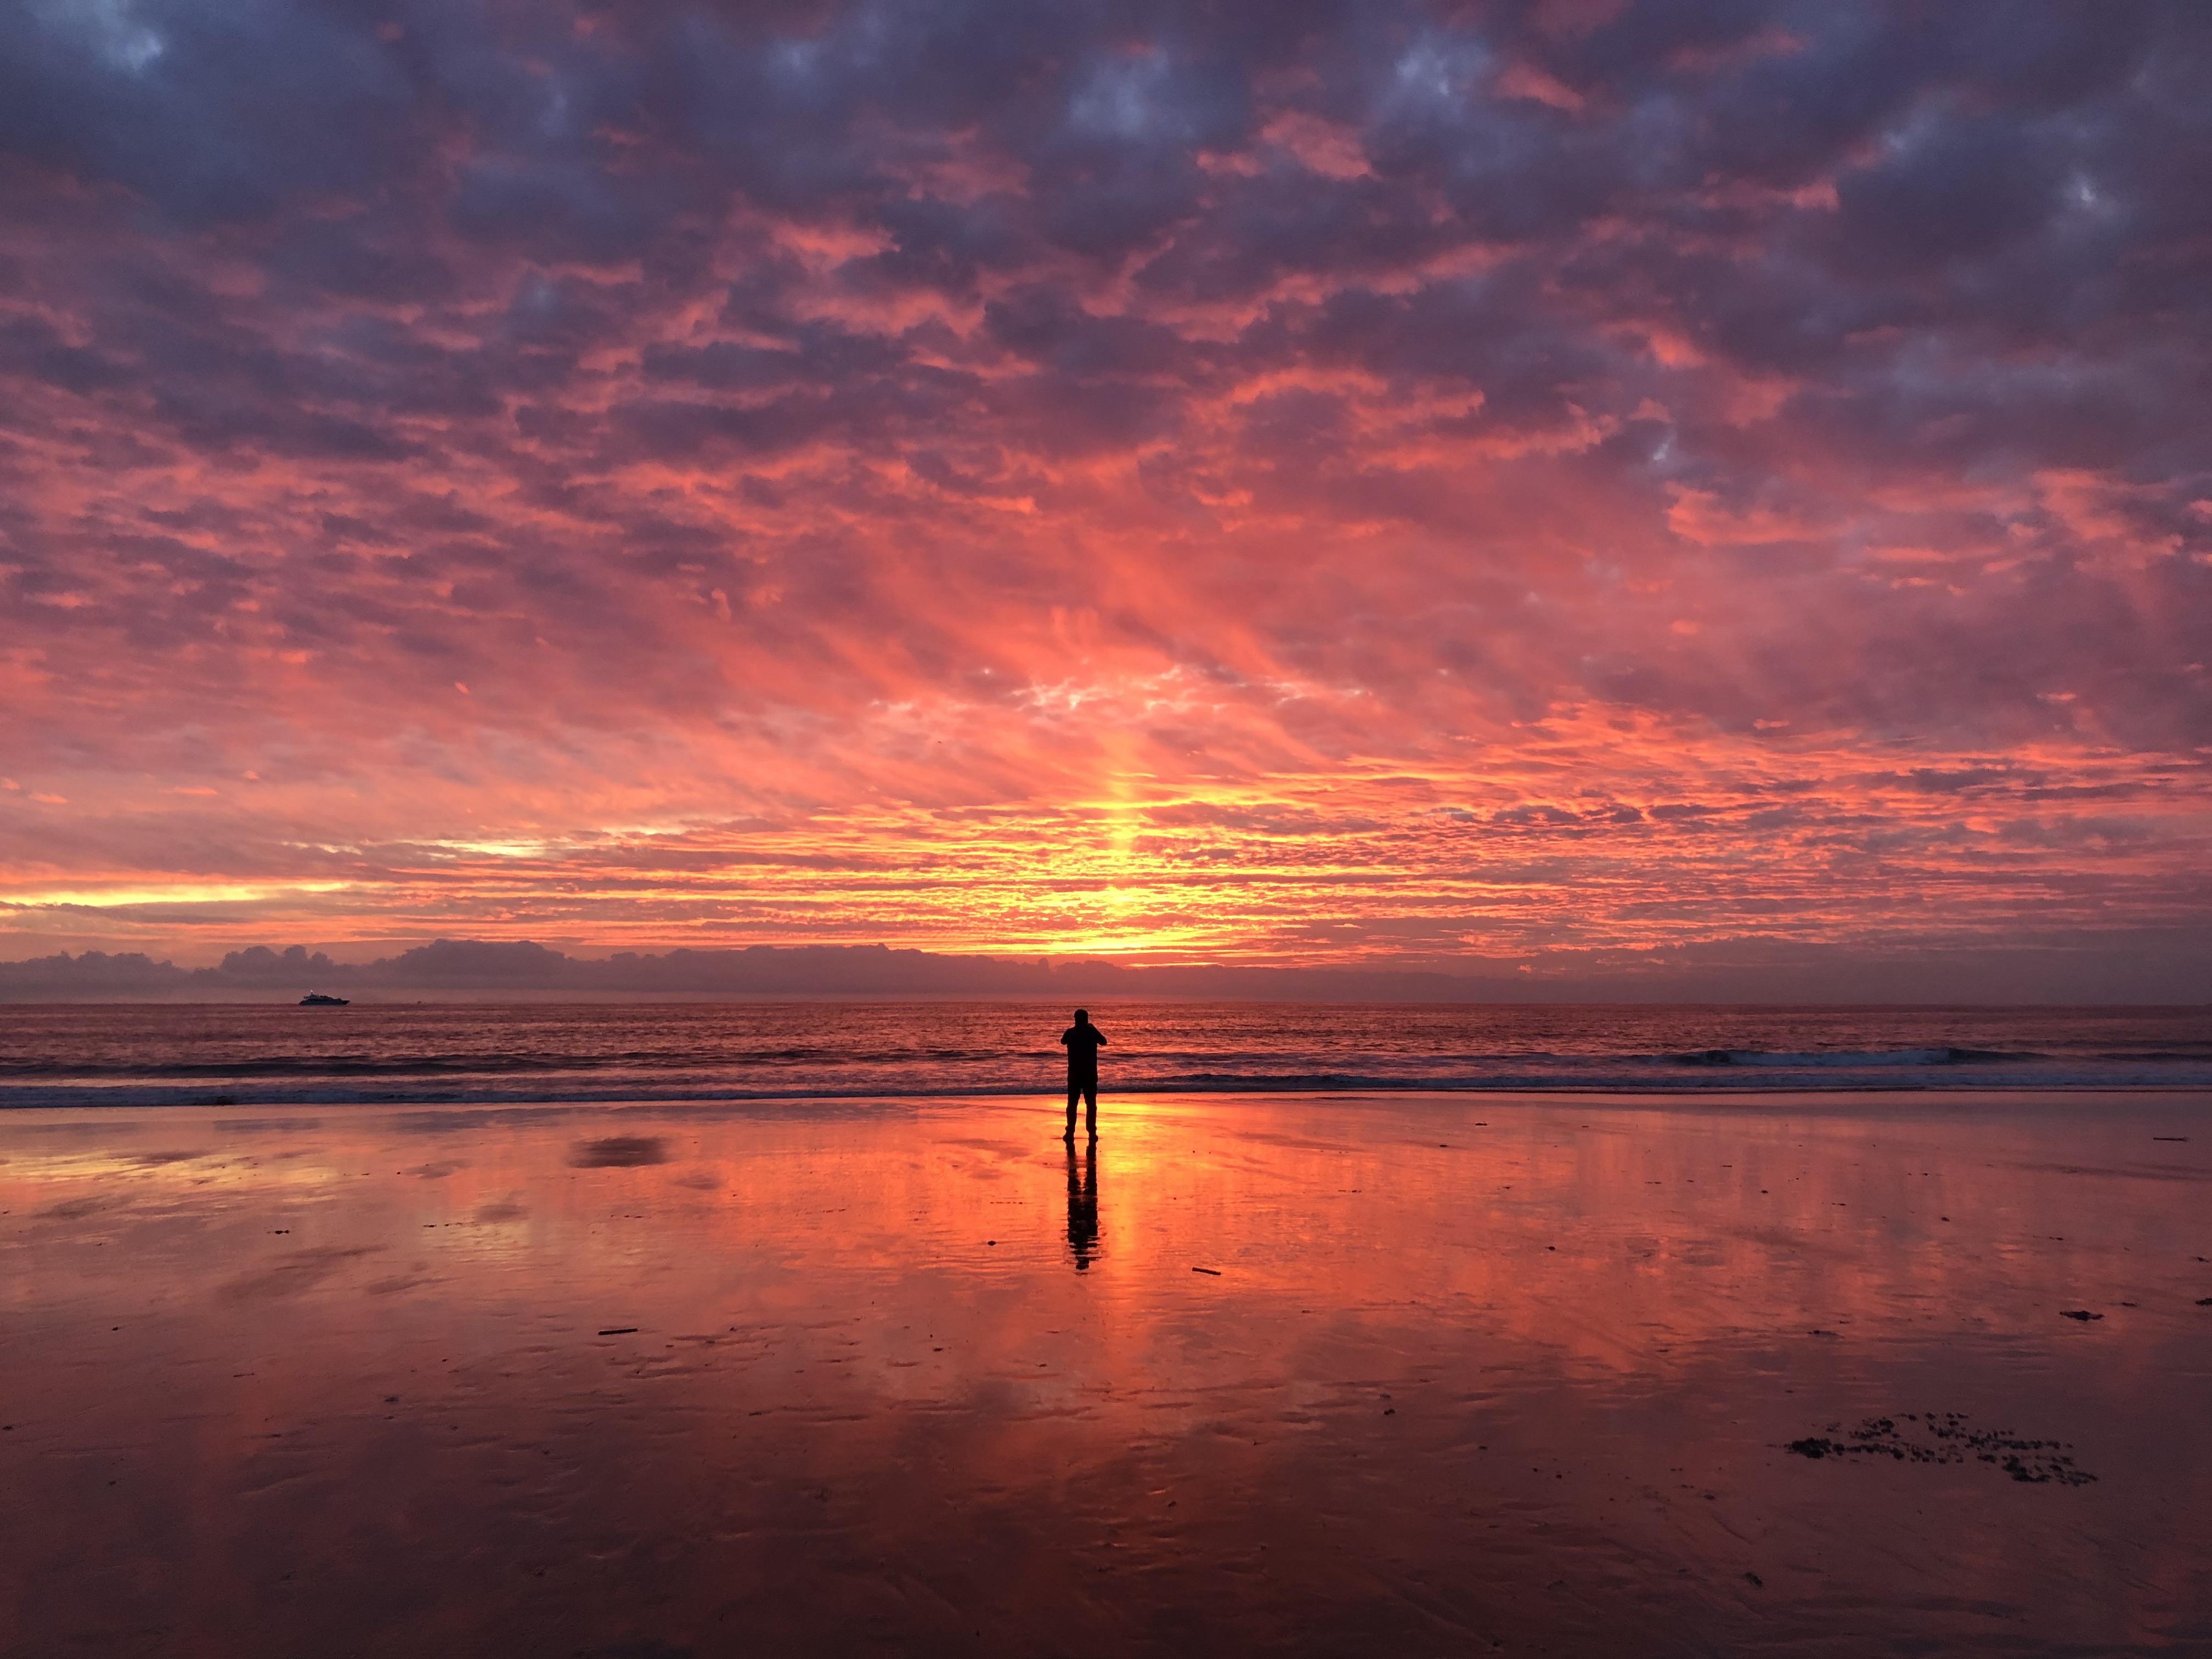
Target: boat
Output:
[{"x": 317, "y": 999}]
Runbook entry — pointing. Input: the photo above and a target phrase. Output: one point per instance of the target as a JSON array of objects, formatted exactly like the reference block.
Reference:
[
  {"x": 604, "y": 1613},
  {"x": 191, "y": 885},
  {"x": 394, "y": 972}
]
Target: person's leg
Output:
[
  {"x": 1091, "y": 1109},
  {"x": 1072, "y": 1089}
]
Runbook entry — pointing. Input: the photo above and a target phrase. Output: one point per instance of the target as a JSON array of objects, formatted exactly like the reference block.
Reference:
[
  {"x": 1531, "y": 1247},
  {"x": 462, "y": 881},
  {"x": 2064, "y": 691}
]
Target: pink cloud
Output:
[{"x": 1187, "y": 490}]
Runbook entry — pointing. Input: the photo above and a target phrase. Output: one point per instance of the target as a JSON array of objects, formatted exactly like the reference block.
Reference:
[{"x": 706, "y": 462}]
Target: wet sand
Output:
[{"x": 1314, "y": 1376}]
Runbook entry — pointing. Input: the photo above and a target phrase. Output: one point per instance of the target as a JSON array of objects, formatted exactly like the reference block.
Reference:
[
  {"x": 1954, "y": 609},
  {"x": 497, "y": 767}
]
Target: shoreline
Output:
[
  {"x": 1752, "y": 1093},
  {"x": 1747, "y": 1098}
]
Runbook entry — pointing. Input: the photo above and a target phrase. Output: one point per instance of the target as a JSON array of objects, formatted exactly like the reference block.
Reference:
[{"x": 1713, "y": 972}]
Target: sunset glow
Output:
[{"x": 1532, "y": 487}]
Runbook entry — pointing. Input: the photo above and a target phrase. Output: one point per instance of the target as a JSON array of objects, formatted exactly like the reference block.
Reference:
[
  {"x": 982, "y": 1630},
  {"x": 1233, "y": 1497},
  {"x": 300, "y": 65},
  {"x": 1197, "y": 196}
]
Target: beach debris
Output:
[
  {"x": 618, "y": 1152},
  {"x": 2205, "y": 1301},
  {"x": 1756, "y": 1581},
  {"x": 1212, "y": 1271},
  {"x": 2182, "y": 1138},
  {"x": 2082, "y": 1314},
  {"x": 1946, "y": 1437},
  {"x": 620, "y": 1330}
]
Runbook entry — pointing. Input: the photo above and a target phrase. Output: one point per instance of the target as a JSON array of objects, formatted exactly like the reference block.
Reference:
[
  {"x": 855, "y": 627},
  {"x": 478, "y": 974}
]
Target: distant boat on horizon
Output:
[{"x": 317, "y": 999}]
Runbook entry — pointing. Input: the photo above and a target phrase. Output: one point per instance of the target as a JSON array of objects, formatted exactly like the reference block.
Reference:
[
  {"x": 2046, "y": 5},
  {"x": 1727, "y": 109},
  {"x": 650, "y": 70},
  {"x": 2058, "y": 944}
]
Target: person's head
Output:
[{"x": 1083, "y": 1016}]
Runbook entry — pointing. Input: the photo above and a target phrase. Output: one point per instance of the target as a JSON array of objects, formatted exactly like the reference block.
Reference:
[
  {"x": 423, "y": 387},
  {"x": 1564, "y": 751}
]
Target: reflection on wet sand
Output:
[
  {"x": 1462, "y": 1374},
  {"x": 1082, "y": 1206}
]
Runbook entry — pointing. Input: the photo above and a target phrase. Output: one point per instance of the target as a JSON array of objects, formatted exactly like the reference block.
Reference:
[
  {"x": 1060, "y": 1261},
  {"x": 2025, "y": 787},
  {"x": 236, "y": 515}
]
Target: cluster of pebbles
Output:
[{"x": 1945, "y": 1438}]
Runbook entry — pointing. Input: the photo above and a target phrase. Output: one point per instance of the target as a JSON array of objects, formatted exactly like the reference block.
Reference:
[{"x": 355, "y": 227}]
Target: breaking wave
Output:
[{"x": 1859, "y": 1061}]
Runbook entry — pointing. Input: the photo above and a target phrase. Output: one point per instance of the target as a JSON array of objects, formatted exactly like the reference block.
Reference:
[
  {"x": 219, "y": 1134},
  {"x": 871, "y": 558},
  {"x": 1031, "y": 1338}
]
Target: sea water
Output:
[{"x": 138, "y": 1055}]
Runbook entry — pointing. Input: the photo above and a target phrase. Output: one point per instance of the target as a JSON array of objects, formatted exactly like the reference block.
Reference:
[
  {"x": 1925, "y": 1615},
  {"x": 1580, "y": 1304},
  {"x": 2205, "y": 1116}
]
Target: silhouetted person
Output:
[
  {"x": 1084, "y": 1040},
  {"x": 1082, "y": 1206}
]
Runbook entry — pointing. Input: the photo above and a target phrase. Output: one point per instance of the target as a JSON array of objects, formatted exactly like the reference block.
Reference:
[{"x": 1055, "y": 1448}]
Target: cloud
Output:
[
  {"x": 2086, "y": 966},
  {"x": 991, "y": 477}
]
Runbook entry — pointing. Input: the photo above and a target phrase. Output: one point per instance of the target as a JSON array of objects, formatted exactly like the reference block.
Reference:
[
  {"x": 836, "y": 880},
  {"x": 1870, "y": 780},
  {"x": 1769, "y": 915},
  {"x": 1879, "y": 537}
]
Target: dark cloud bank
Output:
[{"x": 2171, "y": 970}]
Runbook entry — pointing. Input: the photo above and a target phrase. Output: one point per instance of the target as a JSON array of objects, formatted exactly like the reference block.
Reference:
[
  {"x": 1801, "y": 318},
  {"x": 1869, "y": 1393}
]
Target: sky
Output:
[{"x": 1539, "y": 489}]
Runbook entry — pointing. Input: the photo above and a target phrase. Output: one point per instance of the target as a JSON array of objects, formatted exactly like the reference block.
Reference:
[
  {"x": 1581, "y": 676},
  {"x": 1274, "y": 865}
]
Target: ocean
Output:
[{"x": 253, "y": 1055}]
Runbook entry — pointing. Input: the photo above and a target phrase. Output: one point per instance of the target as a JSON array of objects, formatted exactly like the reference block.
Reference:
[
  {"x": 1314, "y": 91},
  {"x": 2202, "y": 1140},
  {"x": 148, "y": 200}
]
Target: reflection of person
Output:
[
  {"x": 1083, "y": 1040},
  {"x": 1082, "y": 1206}
]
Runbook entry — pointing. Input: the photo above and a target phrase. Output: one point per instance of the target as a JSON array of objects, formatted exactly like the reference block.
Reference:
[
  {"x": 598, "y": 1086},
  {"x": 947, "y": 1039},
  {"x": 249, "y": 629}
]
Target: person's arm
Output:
[
  {"x": 1063, "y": 1039},
  {"x": 1102, "y": 1037}
]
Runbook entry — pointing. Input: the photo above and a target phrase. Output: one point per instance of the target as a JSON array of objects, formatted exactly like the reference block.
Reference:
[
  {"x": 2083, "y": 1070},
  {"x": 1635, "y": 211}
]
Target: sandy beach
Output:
[{"x": 1303, "y": 1374}]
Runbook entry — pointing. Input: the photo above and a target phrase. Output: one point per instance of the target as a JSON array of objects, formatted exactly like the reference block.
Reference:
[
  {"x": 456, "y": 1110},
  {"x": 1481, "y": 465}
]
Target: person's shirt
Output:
[{"x": 1083, "y": 1042}]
